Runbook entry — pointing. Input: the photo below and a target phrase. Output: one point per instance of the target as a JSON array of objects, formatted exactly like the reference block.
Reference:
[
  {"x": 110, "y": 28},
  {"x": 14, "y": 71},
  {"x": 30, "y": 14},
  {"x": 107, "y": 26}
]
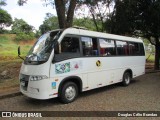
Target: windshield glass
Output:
[{"x": 42, "y": 49}]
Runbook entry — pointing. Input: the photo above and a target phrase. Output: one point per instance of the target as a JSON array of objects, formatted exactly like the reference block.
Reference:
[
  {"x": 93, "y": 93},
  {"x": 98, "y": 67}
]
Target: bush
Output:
[
  {"x": 24, "y": 36},
  {"x": 5, "y": 31}
]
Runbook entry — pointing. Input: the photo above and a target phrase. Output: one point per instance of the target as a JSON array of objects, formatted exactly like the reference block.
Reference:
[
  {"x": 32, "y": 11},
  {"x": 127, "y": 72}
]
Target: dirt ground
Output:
[
  {"x": 9, "y": 72},
  {"x": 11, "y": 68}
]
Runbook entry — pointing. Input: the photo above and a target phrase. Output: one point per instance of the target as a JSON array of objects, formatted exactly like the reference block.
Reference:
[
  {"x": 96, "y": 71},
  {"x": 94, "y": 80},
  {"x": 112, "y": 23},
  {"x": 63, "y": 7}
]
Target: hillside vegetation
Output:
[
  {"x": 8, "y": 47},
  {"x": 9, "y": 61}
]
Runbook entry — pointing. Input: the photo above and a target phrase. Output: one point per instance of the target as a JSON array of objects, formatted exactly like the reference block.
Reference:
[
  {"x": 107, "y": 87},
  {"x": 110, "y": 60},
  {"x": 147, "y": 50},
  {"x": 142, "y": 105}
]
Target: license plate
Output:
[{"x": 23, "y": 83}]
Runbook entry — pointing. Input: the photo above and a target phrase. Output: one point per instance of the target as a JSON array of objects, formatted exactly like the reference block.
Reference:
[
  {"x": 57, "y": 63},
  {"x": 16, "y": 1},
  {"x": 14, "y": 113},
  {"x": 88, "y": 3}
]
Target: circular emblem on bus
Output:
[{"x": 98, "y": 63}]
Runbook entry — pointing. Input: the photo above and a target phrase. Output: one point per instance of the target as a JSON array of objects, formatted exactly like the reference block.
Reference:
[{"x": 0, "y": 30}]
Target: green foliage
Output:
[
  {"x": 86, "y": 22},
  {"x": 50, "y": 23},
  {"x": 5, "y": 19},
  {"x": 24, "y": 37},
  {"x": 37, "y": 34},
  {"x": 19, "y": 25},
  {"x": 122, "y": 19},
  {"x": 140, "y": 18},
  {"x": 5, "y": 31},
  {"x": 3, "y": 39},
  {"x": 23, "y": 30},
  {"x": 149, "y": 20},
  {"x": 8, "y": 47},
  {"x": 3, "y": 3}
]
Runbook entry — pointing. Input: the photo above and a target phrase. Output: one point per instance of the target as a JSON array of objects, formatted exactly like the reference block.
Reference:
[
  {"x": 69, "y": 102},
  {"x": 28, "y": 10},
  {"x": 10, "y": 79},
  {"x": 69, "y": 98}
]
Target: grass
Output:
[
  {"x": 9, "y": 60},
  {"x": 8, "y": 47},
  {"x": 11, "y": 49}
]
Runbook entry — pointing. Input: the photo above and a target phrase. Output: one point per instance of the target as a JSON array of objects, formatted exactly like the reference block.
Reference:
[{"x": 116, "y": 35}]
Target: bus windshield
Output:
[{"x": 42, "y": 49}]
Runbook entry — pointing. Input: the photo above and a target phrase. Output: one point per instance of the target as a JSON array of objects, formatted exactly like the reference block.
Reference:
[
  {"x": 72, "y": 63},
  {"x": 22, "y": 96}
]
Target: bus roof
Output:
[{"x": 83, "y": 32}]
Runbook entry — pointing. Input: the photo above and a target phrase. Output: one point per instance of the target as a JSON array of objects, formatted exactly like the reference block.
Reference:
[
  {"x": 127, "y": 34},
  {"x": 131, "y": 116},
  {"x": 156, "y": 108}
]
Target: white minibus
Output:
[{"x": 62, "y": 63}]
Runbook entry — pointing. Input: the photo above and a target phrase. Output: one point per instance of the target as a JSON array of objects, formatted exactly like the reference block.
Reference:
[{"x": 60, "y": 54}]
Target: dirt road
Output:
[{"x": 141, "y": 95}]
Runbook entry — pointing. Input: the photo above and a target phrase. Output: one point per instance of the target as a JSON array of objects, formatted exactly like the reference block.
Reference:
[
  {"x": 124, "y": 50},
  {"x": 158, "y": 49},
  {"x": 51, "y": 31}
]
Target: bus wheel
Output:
[
  {"x": 69, "y": 92},
  {"x": 126, "y": 79}
]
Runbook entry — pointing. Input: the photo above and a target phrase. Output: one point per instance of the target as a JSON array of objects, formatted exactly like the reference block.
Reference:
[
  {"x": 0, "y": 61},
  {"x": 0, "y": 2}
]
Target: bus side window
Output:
[
  {"x": 141, "y": 49},
  {"x": 122, "y": 48},
  {"x": 107, "y": 47},
  {"x": 87, "y": 46},
  {"x": 136, "y": 48},
  {"x": 131, "y": 48},
  {"x": 90, "y": 46}
]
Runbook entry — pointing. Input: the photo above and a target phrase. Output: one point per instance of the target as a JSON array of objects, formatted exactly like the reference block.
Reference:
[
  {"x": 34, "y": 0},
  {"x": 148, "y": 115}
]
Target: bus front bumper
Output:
[{"x": 33, "y": 93}]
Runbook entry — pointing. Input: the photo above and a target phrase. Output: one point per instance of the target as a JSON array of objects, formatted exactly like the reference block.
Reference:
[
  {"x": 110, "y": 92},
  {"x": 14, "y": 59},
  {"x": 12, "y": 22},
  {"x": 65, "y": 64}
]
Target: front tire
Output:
[
  {"x": 69, "y": 92},
  {"x": 126, "y": 79}
]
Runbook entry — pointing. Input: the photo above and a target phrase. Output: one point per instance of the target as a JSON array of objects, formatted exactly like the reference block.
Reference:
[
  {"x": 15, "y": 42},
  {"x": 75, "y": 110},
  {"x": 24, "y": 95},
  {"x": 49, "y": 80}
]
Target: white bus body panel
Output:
[
  {"x": 110, "y": 71},
  {"x": 38, "y": 89}
]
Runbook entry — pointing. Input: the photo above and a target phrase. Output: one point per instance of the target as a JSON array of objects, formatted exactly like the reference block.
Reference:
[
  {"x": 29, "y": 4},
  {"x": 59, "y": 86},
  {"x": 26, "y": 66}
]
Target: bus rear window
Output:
[{"x": 136, "y": 48}]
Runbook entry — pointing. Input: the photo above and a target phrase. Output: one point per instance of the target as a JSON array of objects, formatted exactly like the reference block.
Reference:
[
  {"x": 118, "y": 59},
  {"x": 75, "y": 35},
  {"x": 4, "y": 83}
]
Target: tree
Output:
[
  {"x": 5, "y": 19},
  {"x": 19, "y": 26},
  {"x": 122, "y": 20},
  {"x": 22, "y": 30},
  {"x": 64, "y": 8},
  {"x": 149, "y": 17},
  {"x": 2, "y": 3},
  {"x": 98, "y": 11},
  {"x": 86, "y": 23},
  {"x": 65, "y": 12},
  {"x": 140, "y": 18},
  {"x": 50, "y": 23}
]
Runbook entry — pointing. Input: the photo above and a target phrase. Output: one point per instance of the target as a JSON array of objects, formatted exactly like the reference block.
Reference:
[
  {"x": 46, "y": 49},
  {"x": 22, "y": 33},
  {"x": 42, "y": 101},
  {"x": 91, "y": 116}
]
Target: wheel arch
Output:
[
  {"x": 76, "y": 79},
  {"x": 129, "y": 71}
]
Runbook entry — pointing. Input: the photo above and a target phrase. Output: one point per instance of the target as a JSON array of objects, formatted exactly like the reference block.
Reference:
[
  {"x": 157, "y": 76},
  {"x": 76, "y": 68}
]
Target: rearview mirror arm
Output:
[{"x": 19, "y": 53}]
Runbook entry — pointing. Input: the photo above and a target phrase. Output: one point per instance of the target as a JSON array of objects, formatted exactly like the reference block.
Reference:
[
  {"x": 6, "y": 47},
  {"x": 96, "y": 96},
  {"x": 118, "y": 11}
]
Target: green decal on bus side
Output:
[{"x": 62, "y": 68}]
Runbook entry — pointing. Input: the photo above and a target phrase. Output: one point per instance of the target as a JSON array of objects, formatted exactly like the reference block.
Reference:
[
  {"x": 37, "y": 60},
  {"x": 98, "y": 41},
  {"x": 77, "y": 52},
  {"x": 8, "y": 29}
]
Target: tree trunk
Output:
[
  {"x": 60, "y": 8},
  {"x": 70, "y": 13},
  {"x": 157, "y": 55},
  {"x": 65, "y": 20}
]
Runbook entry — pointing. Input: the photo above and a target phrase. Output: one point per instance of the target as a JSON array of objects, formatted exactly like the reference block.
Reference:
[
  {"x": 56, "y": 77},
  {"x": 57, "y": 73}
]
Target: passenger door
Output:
[
  {"x": 110, "y": 63},
  {"x": 92, "y": 62}
]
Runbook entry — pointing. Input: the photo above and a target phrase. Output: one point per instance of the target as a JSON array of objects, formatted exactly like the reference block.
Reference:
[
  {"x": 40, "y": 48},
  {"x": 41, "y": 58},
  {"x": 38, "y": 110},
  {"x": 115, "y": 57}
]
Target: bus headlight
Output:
[{"x": 38, "y": 77}]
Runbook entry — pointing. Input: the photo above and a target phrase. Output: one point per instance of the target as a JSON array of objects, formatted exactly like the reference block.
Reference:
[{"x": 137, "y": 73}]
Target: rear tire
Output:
[
  {"x": 68, "y": 93},
  {"x": 126, "y": 79}
]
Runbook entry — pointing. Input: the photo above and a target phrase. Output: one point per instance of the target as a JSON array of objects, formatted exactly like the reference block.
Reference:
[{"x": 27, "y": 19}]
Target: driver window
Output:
[
  {"x": 70, "y": 45},
  {"x": 68, "y": 48}
]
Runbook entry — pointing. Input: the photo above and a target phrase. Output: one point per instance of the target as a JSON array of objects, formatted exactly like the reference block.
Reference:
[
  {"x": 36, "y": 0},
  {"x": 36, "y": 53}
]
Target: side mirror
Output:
[{"x": 19, "y": 51}]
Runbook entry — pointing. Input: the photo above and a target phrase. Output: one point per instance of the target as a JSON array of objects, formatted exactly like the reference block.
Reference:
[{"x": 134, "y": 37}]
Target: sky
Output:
[{"x": 33, "y": 12}]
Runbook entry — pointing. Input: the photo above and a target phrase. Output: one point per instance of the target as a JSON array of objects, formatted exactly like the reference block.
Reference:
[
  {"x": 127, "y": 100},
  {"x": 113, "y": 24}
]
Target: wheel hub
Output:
[{"x": 70, "y": 92}]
